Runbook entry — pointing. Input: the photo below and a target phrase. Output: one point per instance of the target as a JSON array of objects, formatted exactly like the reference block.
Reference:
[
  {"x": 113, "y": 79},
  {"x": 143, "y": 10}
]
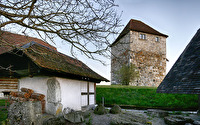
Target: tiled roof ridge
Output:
[
  {"x": 5, "y": 34},
  {"x": 139, "y": 26},
  {"x": 158, "y": 33},
  {"x": 33, "y": 43}
]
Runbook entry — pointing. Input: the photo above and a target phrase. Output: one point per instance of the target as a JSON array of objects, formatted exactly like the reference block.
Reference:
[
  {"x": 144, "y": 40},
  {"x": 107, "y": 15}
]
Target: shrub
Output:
[
  {"x": 115, "y": 109},
  {"x": 100, "y": 110},
  {"x": 127, "y": 74}
]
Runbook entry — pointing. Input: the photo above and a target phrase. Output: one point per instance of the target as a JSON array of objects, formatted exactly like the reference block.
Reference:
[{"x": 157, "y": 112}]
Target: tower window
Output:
[
  {"x": 157, "y": 39},
  {"x": 142, "y": 36}
]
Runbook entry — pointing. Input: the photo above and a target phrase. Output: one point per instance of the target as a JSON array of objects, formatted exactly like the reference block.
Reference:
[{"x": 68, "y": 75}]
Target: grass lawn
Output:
[
  {"x": 3, "y": 111},
  {"x": 145, "y": 97}
]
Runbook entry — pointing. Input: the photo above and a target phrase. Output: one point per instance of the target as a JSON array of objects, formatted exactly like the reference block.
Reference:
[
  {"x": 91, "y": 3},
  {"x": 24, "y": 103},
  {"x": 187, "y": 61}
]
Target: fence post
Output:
[{"x": 103, "y": 101}]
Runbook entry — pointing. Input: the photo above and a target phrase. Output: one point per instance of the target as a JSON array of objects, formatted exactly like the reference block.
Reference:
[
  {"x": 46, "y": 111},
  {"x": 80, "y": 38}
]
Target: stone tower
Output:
[{"x": 143, "y": 46}]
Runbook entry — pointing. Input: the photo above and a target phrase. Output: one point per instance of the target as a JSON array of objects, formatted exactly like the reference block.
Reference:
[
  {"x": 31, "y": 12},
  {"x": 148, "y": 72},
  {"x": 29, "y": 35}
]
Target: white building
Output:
[{"x": 65, "y": 81}]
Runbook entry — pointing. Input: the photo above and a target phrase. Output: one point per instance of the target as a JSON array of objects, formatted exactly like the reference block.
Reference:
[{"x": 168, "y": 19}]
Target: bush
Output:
[
  {"x": 127, "y": 74},
  {"x": 115, "y": 109},
  {"x": 100, "y": 110}
]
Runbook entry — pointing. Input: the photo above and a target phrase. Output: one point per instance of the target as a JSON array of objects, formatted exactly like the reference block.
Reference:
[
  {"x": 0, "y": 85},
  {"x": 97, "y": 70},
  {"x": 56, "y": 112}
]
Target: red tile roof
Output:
[
  {"x": 136, "y": 25},
  {"x": 12, "y": 40}
]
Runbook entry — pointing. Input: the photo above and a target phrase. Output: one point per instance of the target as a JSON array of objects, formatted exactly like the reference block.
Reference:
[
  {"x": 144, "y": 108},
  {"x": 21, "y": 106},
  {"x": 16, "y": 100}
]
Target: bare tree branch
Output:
[{"x": 86, "y": 24}]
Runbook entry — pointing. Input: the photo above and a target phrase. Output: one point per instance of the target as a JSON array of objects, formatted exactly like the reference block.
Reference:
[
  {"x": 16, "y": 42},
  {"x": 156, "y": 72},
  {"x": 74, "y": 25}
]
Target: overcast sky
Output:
[{"x": 179, "y": 19}]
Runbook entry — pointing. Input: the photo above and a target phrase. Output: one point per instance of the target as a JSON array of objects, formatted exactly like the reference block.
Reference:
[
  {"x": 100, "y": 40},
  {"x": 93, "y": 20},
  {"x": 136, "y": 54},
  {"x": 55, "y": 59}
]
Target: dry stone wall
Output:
[
  {"x": 148, "y": 55},
  {"x": 26, "y": 107},
  {"x": 25, "y": 113}
]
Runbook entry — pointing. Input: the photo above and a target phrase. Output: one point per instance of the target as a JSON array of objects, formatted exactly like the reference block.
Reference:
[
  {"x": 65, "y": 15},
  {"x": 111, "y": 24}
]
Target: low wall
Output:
[{"x": 25, "y": 113}]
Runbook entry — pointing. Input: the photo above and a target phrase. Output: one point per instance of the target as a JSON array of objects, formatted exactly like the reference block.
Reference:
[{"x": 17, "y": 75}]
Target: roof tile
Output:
[
  {"x": 136, "y": 25},
  {"x": 184, "y": 76},
  {"x": 10, "y": 41}
]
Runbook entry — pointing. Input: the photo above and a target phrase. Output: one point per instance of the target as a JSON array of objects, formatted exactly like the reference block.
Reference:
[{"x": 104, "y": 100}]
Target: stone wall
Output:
[
  {"x": 25, "y": 113},
  {"x": 148, "y": 55},
  {"x": 119, "y": 56}
]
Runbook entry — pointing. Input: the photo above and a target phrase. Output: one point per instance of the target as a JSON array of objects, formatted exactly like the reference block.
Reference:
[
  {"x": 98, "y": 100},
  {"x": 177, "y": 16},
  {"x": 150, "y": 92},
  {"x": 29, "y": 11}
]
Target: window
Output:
[
  {"x": 88, "y": 94},
  {"x": 142, "y": 36},
  {"x": 157, "y": 39}
]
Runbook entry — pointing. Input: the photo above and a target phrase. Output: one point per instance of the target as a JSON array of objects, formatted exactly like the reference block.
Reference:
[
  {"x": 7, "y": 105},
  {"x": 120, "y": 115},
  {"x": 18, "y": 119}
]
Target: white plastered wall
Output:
[
  {"x": 70, "y": 89},
  {"x": 70, "y": 93},
  {"x": 38, "y": 84}
]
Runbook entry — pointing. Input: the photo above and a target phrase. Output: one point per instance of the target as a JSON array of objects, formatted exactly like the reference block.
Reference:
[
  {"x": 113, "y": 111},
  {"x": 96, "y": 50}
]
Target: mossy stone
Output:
[
  {"x": 100, "y": 110},
  {"x": 115, "y": 109}
]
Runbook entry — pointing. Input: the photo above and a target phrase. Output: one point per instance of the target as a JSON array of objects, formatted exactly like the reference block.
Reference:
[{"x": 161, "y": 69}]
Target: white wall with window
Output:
[
  {"x": 68, "y": 92},
  {"x": 87, "y": 94}
]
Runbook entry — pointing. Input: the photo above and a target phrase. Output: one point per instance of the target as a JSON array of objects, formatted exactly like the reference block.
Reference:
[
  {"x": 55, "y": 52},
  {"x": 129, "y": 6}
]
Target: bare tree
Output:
[{"x": 86, "y": 24}]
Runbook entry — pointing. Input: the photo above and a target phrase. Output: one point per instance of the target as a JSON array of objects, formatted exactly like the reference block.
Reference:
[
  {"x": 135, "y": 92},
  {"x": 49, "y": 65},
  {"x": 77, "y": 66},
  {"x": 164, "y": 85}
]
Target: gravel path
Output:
[
  {"x": 138, "y": 115},
  {"x": 134, "y": 115}
]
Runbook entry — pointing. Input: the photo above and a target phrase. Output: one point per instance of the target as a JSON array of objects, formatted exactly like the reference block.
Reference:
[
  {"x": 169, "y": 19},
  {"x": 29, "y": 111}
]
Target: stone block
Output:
[
  {"x": 129, "y": 119},
  {"x": 177, "y": 120},
  {"x": 55, "y": 121},
  {"x": 100, "y": 110},
  {"x": 115, "y": 109},
  {"x": 54, "y": 109},
  {"x": 74, "y": 117},
  {"x": 157, "y": 113},
  {"x": 27, "y": 113},
  {"x": 196, "y": 122}
]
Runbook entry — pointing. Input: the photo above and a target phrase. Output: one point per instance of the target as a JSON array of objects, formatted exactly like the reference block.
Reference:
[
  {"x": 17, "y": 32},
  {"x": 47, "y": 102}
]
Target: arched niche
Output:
[{"x": 53, "y": 91}]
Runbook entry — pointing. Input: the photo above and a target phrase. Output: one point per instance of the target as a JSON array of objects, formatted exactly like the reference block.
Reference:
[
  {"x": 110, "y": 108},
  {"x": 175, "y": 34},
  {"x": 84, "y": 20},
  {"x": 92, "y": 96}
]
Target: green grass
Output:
[
  {"x": 3, "y": 111},
  {"x": 2, "y": 102},
  {"x": 145, "y": 97},
  {"x": 3, "y": 114}
]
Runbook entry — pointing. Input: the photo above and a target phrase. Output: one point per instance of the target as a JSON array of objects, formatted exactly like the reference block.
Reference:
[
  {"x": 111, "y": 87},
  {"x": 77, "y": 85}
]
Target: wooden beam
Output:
[
  {"x": 8, "y": 79},
  {"x": 94, "y": 93},
  {"x": 88, "y": 93},
  {"x": 4, "y": 83},
  {"x": 3, "y": 88},
  {"x": 8, "y": 83}
]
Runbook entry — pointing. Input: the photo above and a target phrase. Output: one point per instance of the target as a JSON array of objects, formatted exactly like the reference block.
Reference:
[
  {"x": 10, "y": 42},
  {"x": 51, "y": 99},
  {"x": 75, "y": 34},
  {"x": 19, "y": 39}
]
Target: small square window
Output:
[
  {"x": 157, "y": 39},
  {"x": 142, "y": 36}
]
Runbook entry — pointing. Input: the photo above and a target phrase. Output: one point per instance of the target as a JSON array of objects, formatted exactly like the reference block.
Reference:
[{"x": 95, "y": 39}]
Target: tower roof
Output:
[
  {"x": 139, "y": 26},
  {"x": 184, "y": 76}
]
